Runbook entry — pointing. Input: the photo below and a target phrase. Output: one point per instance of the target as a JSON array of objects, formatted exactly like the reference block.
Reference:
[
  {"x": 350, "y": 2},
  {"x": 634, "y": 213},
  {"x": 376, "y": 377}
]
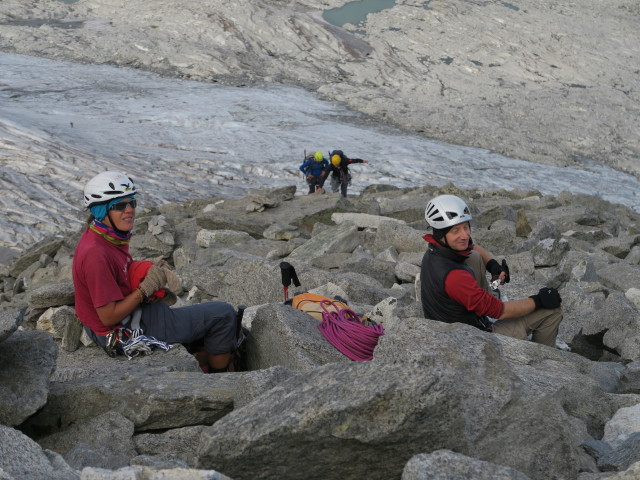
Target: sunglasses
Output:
[{"x": 122, "y": 206}]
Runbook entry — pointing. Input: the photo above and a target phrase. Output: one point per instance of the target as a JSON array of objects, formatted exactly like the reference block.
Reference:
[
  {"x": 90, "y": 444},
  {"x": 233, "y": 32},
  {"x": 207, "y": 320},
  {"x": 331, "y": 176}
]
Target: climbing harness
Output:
[
  {"x": 130, "y": 341},
  {"x": 343, "y": 329}
]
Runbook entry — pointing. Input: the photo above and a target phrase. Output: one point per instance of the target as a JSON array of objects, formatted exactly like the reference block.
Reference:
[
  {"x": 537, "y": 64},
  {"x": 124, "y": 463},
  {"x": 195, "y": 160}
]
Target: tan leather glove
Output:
[
  {"x": 154, "y": 280},
  {"x": 169, "y": 298},
  {"x": 173, "y": 282}
]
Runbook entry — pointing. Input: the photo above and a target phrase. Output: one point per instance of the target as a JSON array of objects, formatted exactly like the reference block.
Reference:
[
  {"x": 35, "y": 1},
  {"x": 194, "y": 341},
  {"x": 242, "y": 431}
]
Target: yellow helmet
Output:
[
  {"x": 318, "y": 156},
  {"x": 335, "y": 159}
]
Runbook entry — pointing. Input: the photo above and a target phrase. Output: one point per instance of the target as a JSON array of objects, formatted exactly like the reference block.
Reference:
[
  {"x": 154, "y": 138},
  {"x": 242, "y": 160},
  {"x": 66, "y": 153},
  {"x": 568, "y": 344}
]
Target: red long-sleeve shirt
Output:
[{"x": 461, "y": 286}]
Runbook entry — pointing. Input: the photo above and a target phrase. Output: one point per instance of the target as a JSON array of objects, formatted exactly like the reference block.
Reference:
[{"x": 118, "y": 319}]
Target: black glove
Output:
[
  {"x": 495, "y": 269},
  {"x": 288, "y": 274},
  {"x": 547, "y": 298},
  {"x": 505, "y": 267}
]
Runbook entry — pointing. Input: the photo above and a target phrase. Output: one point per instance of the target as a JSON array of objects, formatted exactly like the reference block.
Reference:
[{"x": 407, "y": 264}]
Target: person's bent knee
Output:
[
  {"x": 227, "y": 310},
  {"x": 221, "y": 336}
]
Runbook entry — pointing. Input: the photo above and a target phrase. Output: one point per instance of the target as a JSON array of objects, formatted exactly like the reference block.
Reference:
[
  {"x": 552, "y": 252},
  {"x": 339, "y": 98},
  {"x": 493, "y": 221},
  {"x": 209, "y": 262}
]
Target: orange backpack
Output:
[{"x": 310, "y": 303}]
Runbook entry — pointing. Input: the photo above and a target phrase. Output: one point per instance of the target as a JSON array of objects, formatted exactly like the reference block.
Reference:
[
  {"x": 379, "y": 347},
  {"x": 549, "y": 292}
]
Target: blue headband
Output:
[{"x": 100, "y": 210}]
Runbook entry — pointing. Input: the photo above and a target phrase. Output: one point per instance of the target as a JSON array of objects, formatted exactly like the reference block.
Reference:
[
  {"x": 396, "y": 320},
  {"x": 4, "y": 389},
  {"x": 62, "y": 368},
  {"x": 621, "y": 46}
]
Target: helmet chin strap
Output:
[
  {"x": 112, "y": 224},
  {"x": 443, "y": 241}
]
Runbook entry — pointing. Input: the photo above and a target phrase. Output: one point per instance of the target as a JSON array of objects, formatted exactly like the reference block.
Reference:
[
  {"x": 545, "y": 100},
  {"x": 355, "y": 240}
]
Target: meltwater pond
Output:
[{"x": 355, "y": 12}]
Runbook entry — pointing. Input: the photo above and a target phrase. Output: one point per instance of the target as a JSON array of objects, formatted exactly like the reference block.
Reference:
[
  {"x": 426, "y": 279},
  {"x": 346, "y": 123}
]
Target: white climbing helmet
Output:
[
  {"x": 106, "y": 186},
  {"x": 446, "y": 211}
]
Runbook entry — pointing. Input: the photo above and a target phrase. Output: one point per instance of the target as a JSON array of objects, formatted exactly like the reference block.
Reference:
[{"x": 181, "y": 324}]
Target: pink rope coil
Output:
[{"x": 342, "y": 328}]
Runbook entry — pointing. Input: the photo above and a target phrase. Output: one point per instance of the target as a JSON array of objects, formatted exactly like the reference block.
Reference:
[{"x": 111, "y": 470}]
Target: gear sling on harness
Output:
[{"x": 130, "y": 340}]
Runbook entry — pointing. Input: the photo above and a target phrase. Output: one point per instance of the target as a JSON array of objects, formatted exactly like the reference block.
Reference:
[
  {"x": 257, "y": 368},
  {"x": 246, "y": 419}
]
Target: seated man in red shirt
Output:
[{"x": 454, "y": 285}]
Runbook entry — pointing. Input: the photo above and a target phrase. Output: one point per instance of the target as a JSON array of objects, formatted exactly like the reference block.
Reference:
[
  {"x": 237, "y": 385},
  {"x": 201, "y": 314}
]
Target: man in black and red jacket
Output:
[
  {"x": 455, "y": 288},
  {"x": 339, "y": 170}
]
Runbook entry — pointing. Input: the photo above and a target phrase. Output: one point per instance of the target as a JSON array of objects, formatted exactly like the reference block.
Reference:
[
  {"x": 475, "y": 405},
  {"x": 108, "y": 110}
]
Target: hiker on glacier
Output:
[
  {"x": 313, "y": 169},
  {"x": 338, "y": 169}
]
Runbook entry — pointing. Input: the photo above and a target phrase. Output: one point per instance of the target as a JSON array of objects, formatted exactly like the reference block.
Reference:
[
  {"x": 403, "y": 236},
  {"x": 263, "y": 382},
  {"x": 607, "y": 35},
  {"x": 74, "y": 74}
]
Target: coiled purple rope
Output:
[{"x": 342, "y": 328}]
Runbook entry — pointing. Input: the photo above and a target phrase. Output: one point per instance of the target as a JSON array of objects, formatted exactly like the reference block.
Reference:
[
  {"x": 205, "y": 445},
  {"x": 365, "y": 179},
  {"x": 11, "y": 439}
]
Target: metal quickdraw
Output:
[{"x": 132, "y": 343}]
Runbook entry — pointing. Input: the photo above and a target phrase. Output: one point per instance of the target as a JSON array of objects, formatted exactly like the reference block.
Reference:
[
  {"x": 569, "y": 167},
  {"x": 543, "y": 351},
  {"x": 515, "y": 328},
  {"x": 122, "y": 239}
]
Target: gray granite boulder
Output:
[
  {"x": 384, "y": 412},
  {"x": 260, "y": 199},
  {"x": 632, "y": 473},
  {"x": 401, "y": 237},
  {"x": 55, "y": 320},
  {"x": 622, "y": 457},
  {"x": 253, "y": 383},
  {"x": 249, "y": 279},
  {"x": 619, "y": 246},
  {"x": 383, "y": 272},
  {"x": 549, "y": 252},
  {"x": 633, "y": 257},
  {"x": 363, "y": 220},
  {"x": 630, "y": 378},
  {"x": 206, "y": 238},
  {"x": 22, "y": 458},
  {"x": 10, "y": 320},
  {"x": 47, "y": 246},
  {"x": 284, "y": 336},
  {"x": 448, "y": 465},
  {"x": 104, "y": 441},
  {"x": 27, "y": 360},
  {"x": 281, "y": 232},
  {"x": 622, "y": 425},
  {"x": 153, "y": 473},
  {"x": 177, "y": 443},
  {"x": 151, "y": 400},
  {"x": 580, "y": 266},
  {"x": 619, "y": 275},
  {"x": 53, "y": 295},
  {"x": 343, "y": 238},
  {"x": 619, "y": 321}
]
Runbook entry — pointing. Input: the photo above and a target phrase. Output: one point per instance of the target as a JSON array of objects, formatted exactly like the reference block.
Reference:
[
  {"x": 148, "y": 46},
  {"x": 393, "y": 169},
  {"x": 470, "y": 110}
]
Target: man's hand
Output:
[
  {"x": 498, "y": 271},
  {"x": 547, "y": 298}
]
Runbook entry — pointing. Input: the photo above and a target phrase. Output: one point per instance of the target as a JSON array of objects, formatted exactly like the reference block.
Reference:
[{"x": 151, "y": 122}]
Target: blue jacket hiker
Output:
[{"x": 313, "y": 169}]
